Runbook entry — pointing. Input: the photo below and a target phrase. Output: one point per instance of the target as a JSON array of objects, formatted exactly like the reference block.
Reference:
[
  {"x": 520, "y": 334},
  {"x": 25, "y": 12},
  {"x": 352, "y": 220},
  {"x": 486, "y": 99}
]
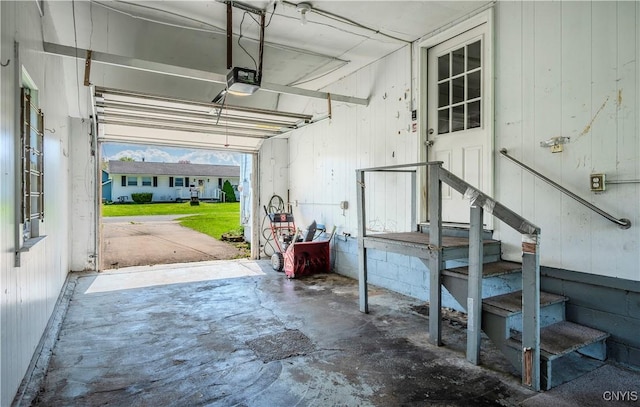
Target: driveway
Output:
[{"x": 148, "y": 240}]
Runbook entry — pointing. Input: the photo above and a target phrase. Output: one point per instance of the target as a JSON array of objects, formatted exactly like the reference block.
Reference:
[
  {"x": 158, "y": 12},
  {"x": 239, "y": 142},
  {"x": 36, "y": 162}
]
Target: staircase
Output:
[
  {"x": 502, "y": 299},
  {"x": 567, "y": 350}
]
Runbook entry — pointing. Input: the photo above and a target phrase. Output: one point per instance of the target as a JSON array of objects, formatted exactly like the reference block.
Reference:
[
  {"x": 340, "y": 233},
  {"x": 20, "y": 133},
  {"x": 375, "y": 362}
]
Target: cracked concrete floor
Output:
[{"x": 236, "y": 333}]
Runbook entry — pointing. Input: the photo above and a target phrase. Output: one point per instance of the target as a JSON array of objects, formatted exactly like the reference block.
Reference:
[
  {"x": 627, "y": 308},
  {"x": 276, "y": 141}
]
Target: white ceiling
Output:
[
  {"x": 177, "y": 49},
  {"x": 339, "y": 38}
]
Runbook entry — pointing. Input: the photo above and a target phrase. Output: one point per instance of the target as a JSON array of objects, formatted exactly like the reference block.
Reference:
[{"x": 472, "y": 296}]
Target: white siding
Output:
[
  {"x": 323, "y": 157},
  {"x": 163, "y": 192},
  {"x": 571, "y": 69},
  {"x": 28, "y": 293},
  {"x": 561, "y": 69},
  {"x": 273, "y": 178},
  {"x": 82, "y": 210}
]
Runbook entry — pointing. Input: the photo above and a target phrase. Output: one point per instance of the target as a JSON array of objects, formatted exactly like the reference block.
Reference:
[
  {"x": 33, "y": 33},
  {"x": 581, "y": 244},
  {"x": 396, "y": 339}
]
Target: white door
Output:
[{"x": 458, "y": 117}]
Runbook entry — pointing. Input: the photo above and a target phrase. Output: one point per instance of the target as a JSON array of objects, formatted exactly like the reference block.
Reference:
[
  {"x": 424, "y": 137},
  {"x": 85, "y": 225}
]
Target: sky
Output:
[{"x": 114, "y": 151}]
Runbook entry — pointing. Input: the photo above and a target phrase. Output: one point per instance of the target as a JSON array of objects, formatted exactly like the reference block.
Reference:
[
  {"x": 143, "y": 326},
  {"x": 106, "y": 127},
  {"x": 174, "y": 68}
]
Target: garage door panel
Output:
[{"x": 130, "y": 117}]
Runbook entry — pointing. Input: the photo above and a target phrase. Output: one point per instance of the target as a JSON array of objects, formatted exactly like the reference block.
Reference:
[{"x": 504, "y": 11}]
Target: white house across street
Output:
[{"x": 170, "y": 182}]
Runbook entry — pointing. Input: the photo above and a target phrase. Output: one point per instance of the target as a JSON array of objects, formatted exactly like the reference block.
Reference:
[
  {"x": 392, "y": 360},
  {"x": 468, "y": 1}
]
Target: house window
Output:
[
  {"x": 123, "y": 180},
  {"x": 132, "y": 181},
  {"x": 32, "y": 168},
  {"x": 155, "y": 181},
  {"x": 146, "y": 181},
  {"x": 459, "y": 88},
  {"x": 179, "y": 182}
]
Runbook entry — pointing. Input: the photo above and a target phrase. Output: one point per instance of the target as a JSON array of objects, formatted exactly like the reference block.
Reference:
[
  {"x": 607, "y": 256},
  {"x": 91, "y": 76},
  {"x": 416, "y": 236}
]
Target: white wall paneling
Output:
[
  {"x": 561, "y": 69},
  {"x": 273, "y": 178},
  {"x": 566, "y": 69},
  {"x": 324, "y": 156},
  {"x": 82, "y": 210},
  {"x": 28, "y": 293}
]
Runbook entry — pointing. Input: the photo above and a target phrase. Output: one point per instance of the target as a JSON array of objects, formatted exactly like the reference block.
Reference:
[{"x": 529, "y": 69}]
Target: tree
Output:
[
  {"x": 126, "y": 159},
  {"x": 228, "y": 190}
]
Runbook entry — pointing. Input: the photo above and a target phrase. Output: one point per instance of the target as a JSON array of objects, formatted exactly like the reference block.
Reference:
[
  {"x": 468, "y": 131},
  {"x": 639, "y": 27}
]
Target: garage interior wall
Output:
[
  {"x": 29, "y": 292},
  {"x": 82, "y": 211},
  {"x": 571, "y": 69},
  {"x": 579, "y": 80},
  {"x": 567, "y": 68},
  {"x": 273, "y": 177}
]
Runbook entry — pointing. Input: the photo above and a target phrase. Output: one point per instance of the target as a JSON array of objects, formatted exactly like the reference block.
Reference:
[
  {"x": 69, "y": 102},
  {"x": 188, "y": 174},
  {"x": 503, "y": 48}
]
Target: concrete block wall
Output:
[
  {"x": 605, "y": 303},
  {"x": 403, "y": 274}
]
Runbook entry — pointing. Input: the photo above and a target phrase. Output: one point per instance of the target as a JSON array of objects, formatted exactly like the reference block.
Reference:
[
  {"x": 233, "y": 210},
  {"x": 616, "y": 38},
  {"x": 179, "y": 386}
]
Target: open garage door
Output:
[{"x": 131, "y": 117}]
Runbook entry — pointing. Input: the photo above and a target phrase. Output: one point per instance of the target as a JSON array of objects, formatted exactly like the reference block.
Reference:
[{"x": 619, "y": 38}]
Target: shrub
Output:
[
  {"x": 142, "y": 197},
  {"x": 228, "y": 190}
]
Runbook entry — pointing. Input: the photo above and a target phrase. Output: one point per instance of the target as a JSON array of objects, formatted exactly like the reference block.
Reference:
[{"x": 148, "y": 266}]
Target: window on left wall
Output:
[{"x": 32, "y": 163}]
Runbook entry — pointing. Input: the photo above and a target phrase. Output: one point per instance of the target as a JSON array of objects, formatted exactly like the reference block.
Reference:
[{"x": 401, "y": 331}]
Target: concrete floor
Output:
[{"x": 236, "y": 333}]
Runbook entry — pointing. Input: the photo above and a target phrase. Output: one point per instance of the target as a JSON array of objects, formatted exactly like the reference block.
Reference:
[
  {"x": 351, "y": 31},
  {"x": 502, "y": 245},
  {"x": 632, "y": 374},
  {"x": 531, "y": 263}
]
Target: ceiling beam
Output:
[{"x": 189, "y": 73}]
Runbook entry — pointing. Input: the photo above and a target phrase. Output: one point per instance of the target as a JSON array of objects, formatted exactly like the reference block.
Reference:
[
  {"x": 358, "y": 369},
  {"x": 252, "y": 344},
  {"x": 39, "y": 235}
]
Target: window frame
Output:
[
  {"x": 451, "y": 106},
  {"x": 132, "y": 181},
  {"x": 147, "y": 181},
  {"x": 31, "y": 193},
  {"x": 175, "y": 182}
]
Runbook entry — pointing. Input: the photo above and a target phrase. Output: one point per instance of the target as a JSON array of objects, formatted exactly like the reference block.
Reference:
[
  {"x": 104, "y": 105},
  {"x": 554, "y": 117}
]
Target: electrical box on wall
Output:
[
  {"x": 344, "y": 205},
  {"x": 597, "y": 182}
]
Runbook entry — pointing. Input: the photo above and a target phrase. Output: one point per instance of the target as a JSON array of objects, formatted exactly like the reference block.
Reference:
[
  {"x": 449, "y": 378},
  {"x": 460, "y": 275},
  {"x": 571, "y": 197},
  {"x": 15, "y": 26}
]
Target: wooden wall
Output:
[
  {"x": 28, "y": 293},
  {"x": 571, "y": 69},
  {"x": 323, "y": 157},
  {"x": 561, "y": 69}
]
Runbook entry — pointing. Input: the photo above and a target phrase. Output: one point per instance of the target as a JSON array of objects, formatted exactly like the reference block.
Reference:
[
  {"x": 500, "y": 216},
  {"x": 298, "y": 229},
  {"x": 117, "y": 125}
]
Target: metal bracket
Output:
[
  {"x": 555, "y": 143},
  {"x": 87, "y": 68}
]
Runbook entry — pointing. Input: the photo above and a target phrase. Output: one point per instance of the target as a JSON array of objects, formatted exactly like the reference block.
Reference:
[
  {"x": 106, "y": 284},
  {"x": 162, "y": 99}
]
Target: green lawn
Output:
[{"x": 213, "y": 219}]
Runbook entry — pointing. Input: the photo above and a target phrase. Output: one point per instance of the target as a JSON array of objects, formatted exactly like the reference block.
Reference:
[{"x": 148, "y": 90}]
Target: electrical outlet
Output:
[{"x": 597, "y": 182}]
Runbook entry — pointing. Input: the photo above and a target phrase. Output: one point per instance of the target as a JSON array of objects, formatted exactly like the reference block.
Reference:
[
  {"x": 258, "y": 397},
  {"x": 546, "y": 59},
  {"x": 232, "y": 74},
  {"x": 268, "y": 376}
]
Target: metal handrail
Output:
[{"x": 624, "y": 223}]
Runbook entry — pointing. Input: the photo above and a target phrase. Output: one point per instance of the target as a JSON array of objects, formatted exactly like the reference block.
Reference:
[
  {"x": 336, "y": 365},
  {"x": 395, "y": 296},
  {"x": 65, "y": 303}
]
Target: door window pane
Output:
[
  {"x": 457, "y": 118},
  {"x": 473, "y": 114},
  {"x": 443, "y": 67},
  {"x": 443, "y": 94},
  {"x": 457, "y": 62},
  {"x": 443, "y": 121},
  {"x": 473, "y": 56},
  {"x": 473, "y": 85},
  {"x": 458, "y": 90}
]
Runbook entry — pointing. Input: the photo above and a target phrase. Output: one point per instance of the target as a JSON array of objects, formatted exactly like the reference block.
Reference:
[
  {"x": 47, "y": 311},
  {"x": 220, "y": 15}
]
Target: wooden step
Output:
[
  {"x": 493, "y": 269},
  {"x": 418, "y": 245},
  {"x": 454, "y": 229},
  {"x": 562, "y": 338},
  {"x": 510, "y": 304},
  {"x": 563, "y": 347}
]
